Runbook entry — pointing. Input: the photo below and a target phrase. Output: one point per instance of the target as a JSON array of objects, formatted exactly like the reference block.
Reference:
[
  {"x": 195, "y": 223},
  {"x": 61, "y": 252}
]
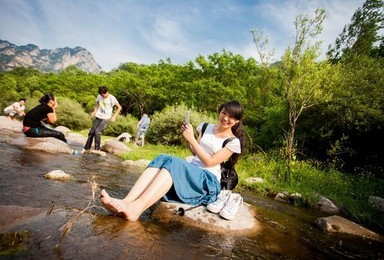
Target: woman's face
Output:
[
  {"x": 226, "y": 120},
  {"x": 53, "y": 103}
]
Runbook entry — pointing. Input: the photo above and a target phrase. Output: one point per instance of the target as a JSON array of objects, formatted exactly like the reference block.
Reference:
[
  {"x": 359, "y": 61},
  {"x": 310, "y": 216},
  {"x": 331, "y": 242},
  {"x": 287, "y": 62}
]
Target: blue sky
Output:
[{"x": 146, "y": 31}]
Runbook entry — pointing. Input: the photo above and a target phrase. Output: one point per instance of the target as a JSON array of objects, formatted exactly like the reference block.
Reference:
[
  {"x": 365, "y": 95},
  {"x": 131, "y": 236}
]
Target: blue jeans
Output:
[
  {"x": 141, "y": 133},
  {"x": 45, "y": 132},
  {"x": 97, "y": 127}
]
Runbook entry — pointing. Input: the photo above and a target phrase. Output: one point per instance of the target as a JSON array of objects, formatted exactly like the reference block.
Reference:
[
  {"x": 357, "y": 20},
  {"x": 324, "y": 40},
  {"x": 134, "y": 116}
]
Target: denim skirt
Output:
[{"x": 191, "y": 184}]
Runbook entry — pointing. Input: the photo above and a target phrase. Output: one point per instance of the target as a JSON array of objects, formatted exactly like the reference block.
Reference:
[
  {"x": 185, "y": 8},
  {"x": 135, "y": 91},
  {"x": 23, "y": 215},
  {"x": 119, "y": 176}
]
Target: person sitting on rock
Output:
[
  {"x": 35, "y": 123},
  {"x": 174, "y": 179},
  {"x": 16, "y": 110}
]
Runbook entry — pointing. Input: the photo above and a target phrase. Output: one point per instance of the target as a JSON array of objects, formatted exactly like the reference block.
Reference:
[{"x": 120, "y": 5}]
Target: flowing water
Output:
[{"x": 287, "y": 231}]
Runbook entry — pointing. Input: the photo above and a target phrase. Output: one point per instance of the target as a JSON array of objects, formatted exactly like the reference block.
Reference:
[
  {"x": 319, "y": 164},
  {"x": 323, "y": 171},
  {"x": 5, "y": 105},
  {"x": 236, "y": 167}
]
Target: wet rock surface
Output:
[
  {"x": 341, "y": 225},
  {"x": 46, "y": 144},
  {"x": 13, "y": 215},
  {"x": 115, "y": 147},
  {"x": 244, "y": 223}
]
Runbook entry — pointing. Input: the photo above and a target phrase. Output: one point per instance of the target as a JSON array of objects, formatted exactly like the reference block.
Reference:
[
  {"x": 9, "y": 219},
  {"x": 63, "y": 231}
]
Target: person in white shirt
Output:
[
  {"x": 103, "y": 114},
  {"x": 16, "y": 110}
]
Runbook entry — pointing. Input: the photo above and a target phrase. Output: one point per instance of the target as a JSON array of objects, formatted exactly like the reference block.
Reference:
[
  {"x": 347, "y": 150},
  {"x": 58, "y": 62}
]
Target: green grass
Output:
[
  {"x": 349, "y": 192},
  {"x": 150, "y": 151}
]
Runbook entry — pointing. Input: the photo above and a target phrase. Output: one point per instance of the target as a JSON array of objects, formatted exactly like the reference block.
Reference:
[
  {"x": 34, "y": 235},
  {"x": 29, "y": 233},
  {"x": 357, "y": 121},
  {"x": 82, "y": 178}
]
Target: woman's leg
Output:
[
  {"x": 145, "y": 179},
  {"x": 45, "y": 132},
  {"x": 131, "y": 210}
]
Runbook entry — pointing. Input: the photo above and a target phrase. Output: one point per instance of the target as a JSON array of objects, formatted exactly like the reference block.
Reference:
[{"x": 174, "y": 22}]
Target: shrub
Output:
[
  {"x": 71, "y": 114},
  {"x": 121, "y": 125},
  {"x": 165, "y": 125}
]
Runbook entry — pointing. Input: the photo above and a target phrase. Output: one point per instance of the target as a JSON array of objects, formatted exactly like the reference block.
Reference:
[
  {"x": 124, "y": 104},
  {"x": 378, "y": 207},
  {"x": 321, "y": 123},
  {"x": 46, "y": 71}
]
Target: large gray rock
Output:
[
  {"x": 141, "y": 163},
  {"x": 6, "y": 135},
  {"x": 12, "y": 125},
  {"x": 341, "y": 225},
  {"x": 65, "y": 130},
  {"x": 377, "y": 202},
  {"x": 76, "y": 139},
  {"x": 244, "y": 223},
  {"x": 46, "y": 144},
  {"x": 12, "y": 215},
  {"x": 58, "y": 175},
  {"x": 115, "y": 147},
  {"x": 326, "y": 205}
]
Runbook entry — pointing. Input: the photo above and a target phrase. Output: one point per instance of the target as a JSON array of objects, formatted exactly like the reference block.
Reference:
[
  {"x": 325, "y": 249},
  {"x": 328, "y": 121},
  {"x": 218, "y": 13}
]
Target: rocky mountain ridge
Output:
[{"x": 46, "y": 60}]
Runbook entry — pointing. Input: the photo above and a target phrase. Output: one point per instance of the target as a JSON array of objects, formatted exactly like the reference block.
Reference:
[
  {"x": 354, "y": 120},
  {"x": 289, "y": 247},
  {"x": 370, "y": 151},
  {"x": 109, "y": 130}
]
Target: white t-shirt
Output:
[
  {"x": 105, "y": 109},
  {"x": 10, "y": 108},
  {"x": 212, "y": 144}
]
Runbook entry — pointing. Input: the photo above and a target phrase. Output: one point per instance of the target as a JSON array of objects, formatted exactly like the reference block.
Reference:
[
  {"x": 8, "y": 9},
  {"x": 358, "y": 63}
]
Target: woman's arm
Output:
[
  {"x": 51, "y": 117},
  {"x": 190, "y": 147},
  {"x": 217, "y": 158}
]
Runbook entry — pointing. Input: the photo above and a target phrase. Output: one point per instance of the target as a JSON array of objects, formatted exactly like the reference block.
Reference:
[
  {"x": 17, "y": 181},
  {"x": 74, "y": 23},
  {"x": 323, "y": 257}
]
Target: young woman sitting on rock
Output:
[
  {"x": 34, "y": 120},
  {"x": 175, "y": 179}
]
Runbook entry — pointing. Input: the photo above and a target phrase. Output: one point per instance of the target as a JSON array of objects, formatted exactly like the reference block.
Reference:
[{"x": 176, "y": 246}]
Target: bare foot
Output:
[{"x": 118, "y": 207}]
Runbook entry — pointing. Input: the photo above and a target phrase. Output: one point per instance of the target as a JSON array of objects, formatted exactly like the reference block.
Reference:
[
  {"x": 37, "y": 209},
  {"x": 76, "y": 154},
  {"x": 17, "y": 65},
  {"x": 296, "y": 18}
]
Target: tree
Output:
[
  {"x": 361, "y": 35},
  {"x": 356, "y": 116},
  {"x": 303, "y": 78},
  {"x": 221, "y": 77}
]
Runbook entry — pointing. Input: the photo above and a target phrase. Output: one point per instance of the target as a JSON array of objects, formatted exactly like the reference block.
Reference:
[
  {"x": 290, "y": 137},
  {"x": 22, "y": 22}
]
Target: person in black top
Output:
[{"x": 33, "y": 123}]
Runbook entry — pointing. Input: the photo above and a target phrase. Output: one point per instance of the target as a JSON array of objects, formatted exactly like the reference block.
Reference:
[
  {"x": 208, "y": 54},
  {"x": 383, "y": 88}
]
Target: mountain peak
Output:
[{"x": 46, "y": 60}]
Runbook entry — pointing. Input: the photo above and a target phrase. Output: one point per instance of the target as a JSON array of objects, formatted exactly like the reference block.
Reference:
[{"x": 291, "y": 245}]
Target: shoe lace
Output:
[
  {"x": 232, "y": 203},
  {"x": 221, "y": 198}
]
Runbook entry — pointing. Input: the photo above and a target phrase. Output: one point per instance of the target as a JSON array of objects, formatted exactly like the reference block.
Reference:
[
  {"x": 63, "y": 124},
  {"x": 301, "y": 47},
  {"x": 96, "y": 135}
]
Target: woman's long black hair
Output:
[
  {"x": 46, "y": 98},
  {"x": 235, "y": 109}
]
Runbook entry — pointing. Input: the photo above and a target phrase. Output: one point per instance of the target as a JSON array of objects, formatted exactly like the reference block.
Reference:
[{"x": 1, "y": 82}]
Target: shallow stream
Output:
[{"x": 287, "y": 231}]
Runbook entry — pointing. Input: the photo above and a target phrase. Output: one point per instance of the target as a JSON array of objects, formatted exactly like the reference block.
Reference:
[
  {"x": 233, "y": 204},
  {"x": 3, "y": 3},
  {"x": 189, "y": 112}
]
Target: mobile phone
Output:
[{"x": 186, "y": 117}]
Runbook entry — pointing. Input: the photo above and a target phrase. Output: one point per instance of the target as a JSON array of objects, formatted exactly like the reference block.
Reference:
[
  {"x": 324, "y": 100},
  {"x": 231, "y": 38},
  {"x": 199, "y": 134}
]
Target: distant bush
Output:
[
  {"x": 165, "y": 125},
  {"x": 72, "y": 115},
  {"x": 123, "y": 124}
]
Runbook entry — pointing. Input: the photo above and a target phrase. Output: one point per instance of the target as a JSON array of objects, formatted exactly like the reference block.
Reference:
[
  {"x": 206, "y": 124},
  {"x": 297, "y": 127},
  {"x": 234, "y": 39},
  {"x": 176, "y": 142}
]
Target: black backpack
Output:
[{"x": 229, "y": 178}]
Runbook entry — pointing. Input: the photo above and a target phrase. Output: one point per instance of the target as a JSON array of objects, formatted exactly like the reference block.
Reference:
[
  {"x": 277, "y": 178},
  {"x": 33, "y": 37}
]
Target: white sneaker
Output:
[
  {"x": 221, "y": 201},
  {"x": 230, "y": 210}
]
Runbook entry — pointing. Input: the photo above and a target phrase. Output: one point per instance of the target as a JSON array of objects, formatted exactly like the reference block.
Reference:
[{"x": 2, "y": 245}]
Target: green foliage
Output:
[
  {"x": 356, "y": 115},
  {"x": 32, "y": 101},
  {"x": 8, "y": 89},
  {"x": 123, "y": 124},
  {"x": 165, "y": 125},
  {"x": 269, "y": 134},
  {"x": 71, "y": 114},
  {"x": 362, "y": 34}
]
